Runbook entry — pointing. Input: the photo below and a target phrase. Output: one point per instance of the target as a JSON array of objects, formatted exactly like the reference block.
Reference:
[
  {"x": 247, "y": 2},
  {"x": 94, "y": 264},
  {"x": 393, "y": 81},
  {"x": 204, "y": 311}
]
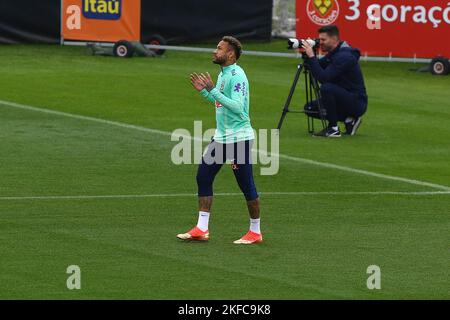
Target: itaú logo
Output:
[
  {"x": 322, "y": 12},
  {"x": 102, "y": 9}
]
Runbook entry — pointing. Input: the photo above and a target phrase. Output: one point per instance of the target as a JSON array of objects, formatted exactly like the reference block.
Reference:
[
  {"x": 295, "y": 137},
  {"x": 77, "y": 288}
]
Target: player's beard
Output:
[{"x": 219, "y": 60}]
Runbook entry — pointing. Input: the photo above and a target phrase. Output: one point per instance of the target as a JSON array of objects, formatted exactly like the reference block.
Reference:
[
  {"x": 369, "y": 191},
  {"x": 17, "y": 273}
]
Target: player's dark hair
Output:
[
  {"x": 235, "y": 44},
  {"x": 332, "y": 31}
]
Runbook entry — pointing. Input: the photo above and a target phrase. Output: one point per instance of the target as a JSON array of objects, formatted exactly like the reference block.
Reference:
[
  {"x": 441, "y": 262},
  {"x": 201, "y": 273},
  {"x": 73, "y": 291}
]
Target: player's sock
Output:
[
  {"x": 255, "y": 225},
  {"x": 203, "y": 220},
  {"x": 335, "y": 128}
]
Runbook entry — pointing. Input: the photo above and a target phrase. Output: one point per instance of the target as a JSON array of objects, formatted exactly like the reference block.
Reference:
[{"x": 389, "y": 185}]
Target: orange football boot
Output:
[
  {"x": 195, "y": 234},
  {"x": 250, "y": 238}
]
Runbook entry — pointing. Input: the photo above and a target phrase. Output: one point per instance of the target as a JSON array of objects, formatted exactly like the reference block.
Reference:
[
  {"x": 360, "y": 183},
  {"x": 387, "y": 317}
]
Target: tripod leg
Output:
[
  {"x": 308, "y": 96},
  {"x": 289, "y": 98},
  {"x": 311, "y": 93},
  {"x": 316, "y": 88}
]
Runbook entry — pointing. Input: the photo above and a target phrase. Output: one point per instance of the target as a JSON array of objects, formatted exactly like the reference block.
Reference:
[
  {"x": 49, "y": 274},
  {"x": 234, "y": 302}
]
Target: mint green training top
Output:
[{"x": 231, "y": 97}]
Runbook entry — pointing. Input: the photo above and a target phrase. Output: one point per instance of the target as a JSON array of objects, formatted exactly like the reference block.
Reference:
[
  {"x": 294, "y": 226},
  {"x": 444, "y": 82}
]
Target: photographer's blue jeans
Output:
[{"x": 338, "y": 104}]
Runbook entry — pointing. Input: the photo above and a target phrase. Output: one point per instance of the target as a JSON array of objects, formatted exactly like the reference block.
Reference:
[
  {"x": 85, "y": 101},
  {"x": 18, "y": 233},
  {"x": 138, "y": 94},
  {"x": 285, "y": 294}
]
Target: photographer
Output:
[{"x": 343, "y": 93}]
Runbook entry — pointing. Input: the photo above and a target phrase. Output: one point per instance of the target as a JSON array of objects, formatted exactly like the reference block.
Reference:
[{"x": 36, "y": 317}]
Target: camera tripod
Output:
[{"x": 312, "y": 93}]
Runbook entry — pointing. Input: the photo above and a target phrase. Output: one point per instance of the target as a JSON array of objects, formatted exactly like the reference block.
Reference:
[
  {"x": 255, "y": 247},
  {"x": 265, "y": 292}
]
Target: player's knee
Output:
[
  {"x": 203, "y": 180},
  {"x": 246, "y": 183},
  {"x": 204, "y": 184},
  {"x": 251, "y": 194}
]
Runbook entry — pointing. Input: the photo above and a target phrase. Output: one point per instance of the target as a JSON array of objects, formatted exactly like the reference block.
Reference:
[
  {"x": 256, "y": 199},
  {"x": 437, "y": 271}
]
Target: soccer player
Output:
[{"x": 232, "y": 140}]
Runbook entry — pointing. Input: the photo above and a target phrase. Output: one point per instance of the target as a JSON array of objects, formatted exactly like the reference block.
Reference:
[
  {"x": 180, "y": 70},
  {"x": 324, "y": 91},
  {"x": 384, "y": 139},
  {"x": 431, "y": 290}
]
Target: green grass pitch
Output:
[{"x": 319, "y": 240}]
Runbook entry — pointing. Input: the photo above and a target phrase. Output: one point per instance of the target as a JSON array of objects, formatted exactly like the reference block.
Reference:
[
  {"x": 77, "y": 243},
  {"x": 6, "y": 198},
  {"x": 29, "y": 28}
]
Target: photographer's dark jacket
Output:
[{"x": 340, "y": 67}]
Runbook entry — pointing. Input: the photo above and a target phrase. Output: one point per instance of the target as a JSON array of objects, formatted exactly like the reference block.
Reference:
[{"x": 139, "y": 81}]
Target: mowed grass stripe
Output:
[
  {"x": 263, "y": 193},
  {"x": 154, "y": 131}
]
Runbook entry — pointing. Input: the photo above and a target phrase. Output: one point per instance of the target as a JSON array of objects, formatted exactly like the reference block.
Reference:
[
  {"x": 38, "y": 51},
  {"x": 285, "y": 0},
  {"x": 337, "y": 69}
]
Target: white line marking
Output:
[
  {"x": 171, "y": 195},
  {"x": 367, "y": 173},
  {"x": 87, "y": 118},
  {"x": 166, "y": 133}
]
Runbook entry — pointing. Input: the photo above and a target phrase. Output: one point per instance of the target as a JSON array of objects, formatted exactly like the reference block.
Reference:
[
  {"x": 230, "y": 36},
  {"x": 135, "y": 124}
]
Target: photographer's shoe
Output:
[
  {"x": 328, "y": 133},
  {"x": 352, "y": 126}
]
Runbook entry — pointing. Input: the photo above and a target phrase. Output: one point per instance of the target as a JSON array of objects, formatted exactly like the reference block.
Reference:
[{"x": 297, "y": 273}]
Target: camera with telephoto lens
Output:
[{"x": 294, "y": 43}]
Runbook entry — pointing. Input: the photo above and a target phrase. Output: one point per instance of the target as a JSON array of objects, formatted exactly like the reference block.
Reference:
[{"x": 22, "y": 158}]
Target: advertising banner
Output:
[
  {"x": 383, "y": 28},
  {"x": 101, "y": 20}
]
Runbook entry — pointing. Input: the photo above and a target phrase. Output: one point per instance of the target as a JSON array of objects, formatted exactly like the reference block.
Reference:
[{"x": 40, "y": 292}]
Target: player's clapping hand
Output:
[
  {"x": 209, "y": 83},
  {"x": 197, "y": 82}
]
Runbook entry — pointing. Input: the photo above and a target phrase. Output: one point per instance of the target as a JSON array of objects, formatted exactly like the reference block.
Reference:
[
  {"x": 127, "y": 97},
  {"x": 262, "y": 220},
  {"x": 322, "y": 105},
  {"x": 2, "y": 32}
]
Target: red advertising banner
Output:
[
  {"x": 101, "y": 20},
  {"x": 383, "y": 28}
]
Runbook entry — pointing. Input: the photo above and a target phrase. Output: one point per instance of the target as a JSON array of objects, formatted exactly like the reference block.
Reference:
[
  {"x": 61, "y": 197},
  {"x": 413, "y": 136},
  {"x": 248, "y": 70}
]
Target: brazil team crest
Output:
[{"x": 322, "y": 12}]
